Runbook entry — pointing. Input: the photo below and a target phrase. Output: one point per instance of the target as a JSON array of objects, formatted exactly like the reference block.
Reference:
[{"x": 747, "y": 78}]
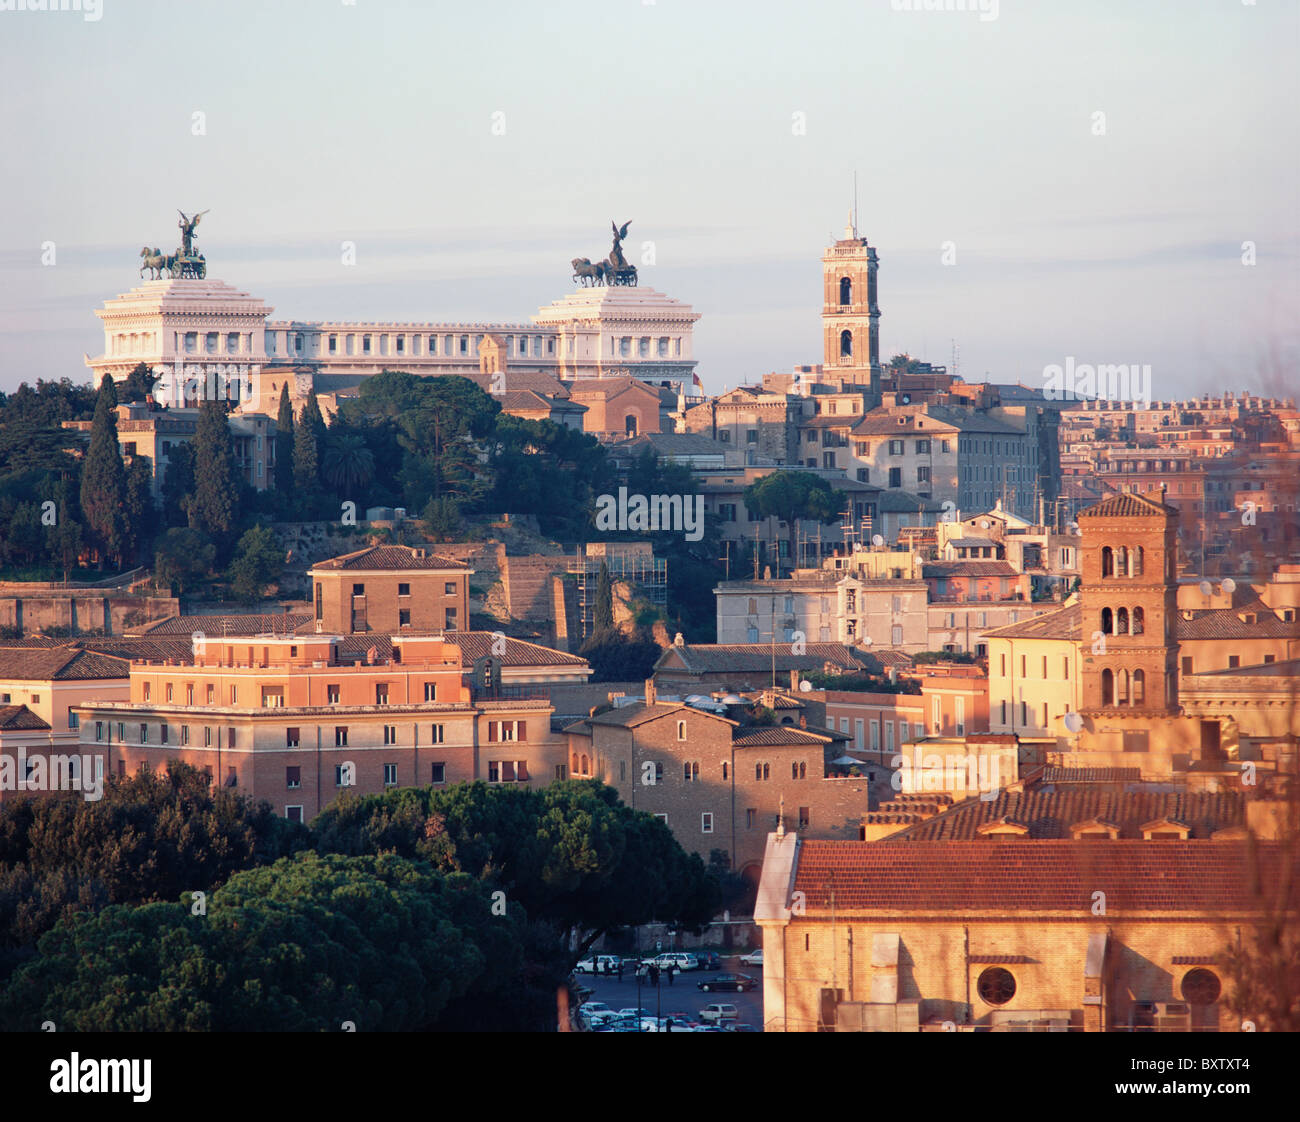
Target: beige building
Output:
[
  {"x": 390, "y": 588},
  {"x": 1078, "y": 935}
]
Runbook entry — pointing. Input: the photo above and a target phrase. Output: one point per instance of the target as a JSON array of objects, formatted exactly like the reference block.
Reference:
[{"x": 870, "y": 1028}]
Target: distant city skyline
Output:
[{"x": 470, "y": 160}]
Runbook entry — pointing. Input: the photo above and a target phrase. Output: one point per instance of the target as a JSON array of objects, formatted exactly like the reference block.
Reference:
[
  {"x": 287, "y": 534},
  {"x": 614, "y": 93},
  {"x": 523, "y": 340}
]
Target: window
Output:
[
  {"x": 805, "y": 817},
  {"x": 1201, "y": 987},
  {"x": 438, "y": 773},
  {"x": 272, "y": 697},
  {"x": 681, "y": 730},
  {"x": 343, "y": 775},
  {"x": 690, "y": 771},
  {"x": 706, "y": 823},
  {"x": 340, "y": 736},
  {"x": 430, "y": 691},
  {"x": 390, "y": 775},
  {"x": 162, "y": 733},
  {"x": 211, "y": 693},
  {"x": 144, "y": 734},
  {"x": 750, "y": 815},
  {"x": 724, "y": 772},
  {"x": 293, "y": 813},
  {"x": 293, "y": 777},
  {"x": 895, "y": 447},
  {"x": 435, "y": 734},
  {"x": 292, "y": 738},
  {"x": 895, "y": 477},
  {"x": 922, "y": 447},
  {"x": 403, "y": 617},
  {"x": 185, "y": 734},
  {"x": 996, "y": 986},
  {"x": 449, "y": 624},
  {"x": 1004, "y": 662},
  {"x": 449, "y": 588},
  {"x": 168, "y": 693},
  {"x": 332, "y": 694},
  {"x": 390, "y": 734}
]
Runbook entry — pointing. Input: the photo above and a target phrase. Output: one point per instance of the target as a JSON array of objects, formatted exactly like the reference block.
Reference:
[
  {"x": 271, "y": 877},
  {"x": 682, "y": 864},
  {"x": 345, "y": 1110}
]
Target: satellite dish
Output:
[
  {"x": 805, "y": 686},
  {"x": 1073, "y": 722},
  {"x": 1230, "y": 585},
  {"x": 1206, "y": 588},
  {"x": 866, "y": 640},
  {"x": 876, "y": 539},
  {"x": 907, "y": 399}
]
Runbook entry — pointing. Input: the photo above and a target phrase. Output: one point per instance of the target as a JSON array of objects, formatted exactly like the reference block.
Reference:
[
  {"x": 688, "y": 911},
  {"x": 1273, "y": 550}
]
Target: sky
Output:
[{"x": 1042, "y": 179}]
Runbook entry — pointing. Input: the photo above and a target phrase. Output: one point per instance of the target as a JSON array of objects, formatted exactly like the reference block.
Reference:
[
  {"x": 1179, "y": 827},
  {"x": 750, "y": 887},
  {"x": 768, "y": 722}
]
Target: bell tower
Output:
[
  {"x": 850, "y": 314},
  {"x": 1129, "y": 597}
]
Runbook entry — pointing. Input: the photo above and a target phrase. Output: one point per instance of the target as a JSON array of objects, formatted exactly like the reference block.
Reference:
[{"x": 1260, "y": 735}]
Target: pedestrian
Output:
[
  {"x": 620, "y": 968},
  {"x": 672, "y": 973}
]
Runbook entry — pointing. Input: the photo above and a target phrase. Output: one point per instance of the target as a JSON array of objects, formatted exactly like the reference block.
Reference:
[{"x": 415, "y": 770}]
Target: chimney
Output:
[{"x": 650, "y": 691}]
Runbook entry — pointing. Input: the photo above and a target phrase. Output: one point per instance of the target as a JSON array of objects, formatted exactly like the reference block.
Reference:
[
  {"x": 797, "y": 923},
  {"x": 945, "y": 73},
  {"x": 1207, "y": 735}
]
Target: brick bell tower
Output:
[
  {"x": 1129, "y": 596},
  {"x": 850, "y": 314}
]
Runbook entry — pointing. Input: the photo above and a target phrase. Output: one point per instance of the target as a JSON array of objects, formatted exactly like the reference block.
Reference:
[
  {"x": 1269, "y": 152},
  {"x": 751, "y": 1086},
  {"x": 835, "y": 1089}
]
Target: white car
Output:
[
  {"x": 754, "y": 958},
  {"x": 718, "y": 1012},
  {"x": 680, "y": 959},
  {"x": 598, "y": 964}
]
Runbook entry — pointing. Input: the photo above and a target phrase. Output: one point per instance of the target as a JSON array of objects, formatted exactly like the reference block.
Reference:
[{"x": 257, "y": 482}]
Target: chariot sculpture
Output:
[
  {"x": 613, "y": 270},
  {"x": 187, "y": 261}
]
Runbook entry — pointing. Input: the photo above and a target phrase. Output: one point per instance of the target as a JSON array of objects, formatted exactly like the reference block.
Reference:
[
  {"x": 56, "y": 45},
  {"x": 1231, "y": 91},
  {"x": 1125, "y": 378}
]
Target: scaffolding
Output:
[{"x": 647, "y": 575}]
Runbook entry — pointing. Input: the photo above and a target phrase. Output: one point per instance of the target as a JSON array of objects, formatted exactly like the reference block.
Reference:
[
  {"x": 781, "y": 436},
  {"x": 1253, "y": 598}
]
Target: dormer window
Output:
[{"x": 1166, "y": 829}]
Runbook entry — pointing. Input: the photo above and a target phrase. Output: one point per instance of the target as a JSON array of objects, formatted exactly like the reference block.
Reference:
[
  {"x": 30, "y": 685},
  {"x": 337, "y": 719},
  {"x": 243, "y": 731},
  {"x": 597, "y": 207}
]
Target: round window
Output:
[
  {"x": 996, "y": 986},
  {"x": 1201, "y": 987}
]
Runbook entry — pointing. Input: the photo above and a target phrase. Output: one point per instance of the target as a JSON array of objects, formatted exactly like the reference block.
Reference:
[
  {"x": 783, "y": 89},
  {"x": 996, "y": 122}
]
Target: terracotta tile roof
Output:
[
  {"x": 972, "y": 568},
  {"x": 1227, "y": 623},
  {"x": 235, "y": 625},
  {"x": 1063, "y": 623},
  {"x": 387, "y": 558},
  {"x": 775, "y": 736},
  {"x": 1049, "y": 812},
  {"x": 1127, "y": 505},
  {"x": 66, "y": 663},
  {"x": 1018, "y": 875},
  {"x": 18, "y": 717},
  {"x": 478, "y": 644},
  {"x": 1092, "y": 775},
  {"x": 749, "y": 657}
]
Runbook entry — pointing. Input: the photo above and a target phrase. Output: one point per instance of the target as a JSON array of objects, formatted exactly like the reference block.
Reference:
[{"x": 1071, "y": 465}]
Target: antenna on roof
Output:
[{"x": 855, "y": 200}]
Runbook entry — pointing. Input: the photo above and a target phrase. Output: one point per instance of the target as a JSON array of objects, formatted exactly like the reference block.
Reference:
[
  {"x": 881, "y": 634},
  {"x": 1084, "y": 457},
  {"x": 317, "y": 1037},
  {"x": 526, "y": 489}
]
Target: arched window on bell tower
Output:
[
  {"x": 846, "y": 291},
  {"x": 1139, "y": 622},
  {"x": 1107, "y": 687},
  {"x": 1138, "y": 558},
  {"x": 1121, "y": 697},
  {"x": 1121, "y": 622},
  {"x": 1107, "y": 622},
  {"x": 846, "y": 343},
  {"x": 1121, "y": 562},
  {"x": 1139, "y": 687},
  {"x": 1107, "y": 561}
]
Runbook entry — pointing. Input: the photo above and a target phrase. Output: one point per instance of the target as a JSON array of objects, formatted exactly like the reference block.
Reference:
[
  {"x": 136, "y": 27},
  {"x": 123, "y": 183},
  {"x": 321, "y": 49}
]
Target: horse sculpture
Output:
[
  {"x": 154, "y": 260},
  {"x": 586, "y": 274}
]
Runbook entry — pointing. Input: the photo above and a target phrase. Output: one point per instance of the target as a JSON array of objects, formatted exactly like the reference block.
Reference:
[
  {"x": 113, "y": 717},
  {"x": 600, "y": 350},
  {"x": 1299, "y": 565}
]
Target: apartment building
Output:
[
  {"x": 390, "y": 588},
  {"x": 716, "y": 784},
  {"x": 289, "y": 720}
]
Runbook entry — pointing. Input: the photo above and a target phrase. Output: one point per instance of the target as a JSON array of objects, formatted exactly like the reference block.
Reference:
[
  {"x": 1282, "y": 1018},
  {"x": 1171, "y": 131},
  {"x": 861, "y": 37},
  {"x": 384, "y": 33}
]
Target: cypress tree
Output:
[
  {"x": 141, "y": 515},
  {"x": 103, "y": 478},
  {"x": 306, "y": 446},
  {"x": 604, "y": 610},
  {"x": 216, "y": 483},
  {"x": 284, "y": 436}
]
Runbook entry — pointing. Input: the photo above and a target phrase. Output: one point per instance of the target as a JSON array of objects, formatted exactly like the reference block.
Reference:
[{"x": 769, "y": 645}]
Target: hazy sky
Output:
[{"x": 728, "y": 133}]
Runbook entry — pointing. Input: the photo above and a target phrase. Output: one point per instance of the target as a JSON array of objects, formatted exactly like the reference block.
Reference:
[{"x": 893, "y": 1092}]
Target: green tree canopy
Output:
[
  {"x": 214, "y": 506},
  {"x": 103, "y": 478},
  {"x": 284, "y": 443},
  {"x": 259, "y": 558},
  {"x": 793, "y": 495}
]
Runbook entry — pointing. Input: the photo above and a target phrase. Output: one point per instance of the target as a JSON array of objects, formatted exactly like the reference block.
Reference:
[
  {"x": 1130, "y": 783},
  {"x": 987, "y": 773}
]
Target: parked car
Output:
[
  {"x": 728, "y": 983},
  {"x": 630, "y": 1012},
  {"x": 737, "y": 1027},
  {"x": 681, "y": 959},
  {"x": 598, "y": 964},
  {"x": 754, "y": 958},
  {"x": 718, "y": 1012},
  {"x": 708, "y": 960}
]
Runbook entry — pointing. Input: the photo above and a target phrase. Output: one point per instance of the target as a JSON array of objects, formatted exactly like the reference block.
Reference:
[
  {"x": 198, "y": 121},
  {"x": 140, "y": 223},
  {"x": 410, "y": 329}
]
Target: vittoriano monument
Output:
[
  {"x": 613, "y": 270},
  {"x": 187, "y": 261}
]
